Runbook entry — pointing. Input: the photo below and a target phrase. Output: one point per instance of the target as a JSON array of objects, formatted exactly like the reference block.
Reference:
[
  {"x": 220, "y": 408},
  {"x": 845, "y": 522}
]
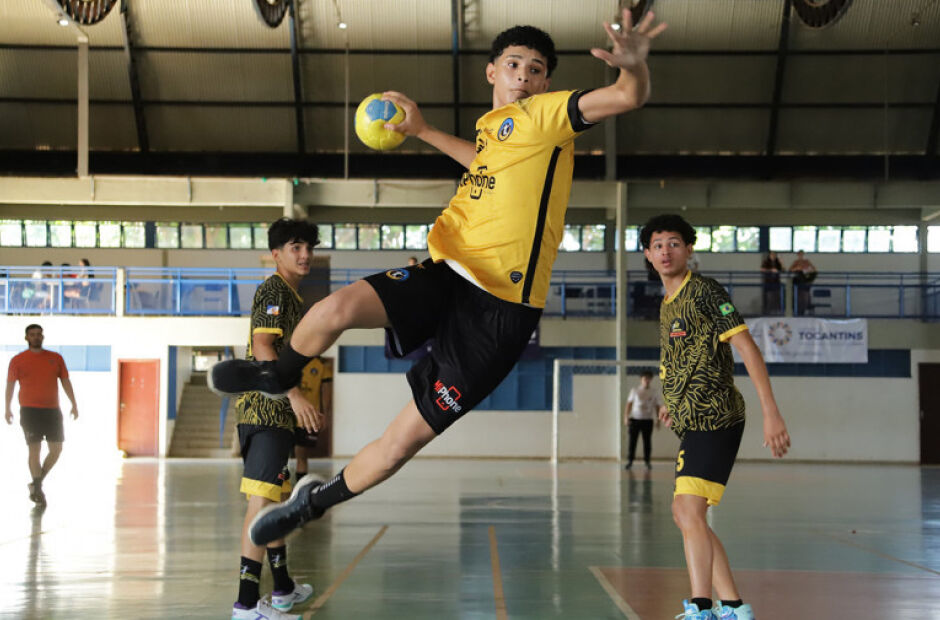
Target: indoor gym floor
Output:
[{"x": 475, "y": 539}]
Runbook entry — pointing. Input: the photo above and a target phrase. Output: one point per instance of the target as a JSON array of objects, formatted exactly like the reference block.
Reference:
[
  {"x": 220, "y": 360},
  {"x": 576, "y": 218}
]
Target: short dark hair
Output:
[
  {"x": 647, "y": 373},
  {"x": 668, "y": 222},
  {"x": 287, "y": 230},
  {"x": 527, "y": 36},
  {"x": 33, "y": 326}
]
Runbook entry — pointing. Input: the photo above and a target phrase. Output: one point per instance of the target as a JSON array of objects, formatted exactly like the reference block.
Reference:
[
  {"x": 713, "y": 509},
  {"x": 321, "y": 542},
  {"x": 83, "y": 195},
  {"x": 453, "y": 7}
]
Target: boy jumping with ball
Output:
[
  {"x": 697, "y": 323},
  {"x": 481, "y": 294}
]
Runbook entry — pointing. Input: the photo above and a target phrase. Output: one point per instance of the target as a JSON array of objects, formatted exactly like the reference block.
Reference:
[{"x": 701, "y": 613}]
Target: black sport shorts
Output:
[
  {"x": 705, "y": 460},
  {"x": 304, "y": 439},
  {"x": 478, "y": 338},
  {"x": 42, "y": 424},
  {"x": 265, "y": 452}
]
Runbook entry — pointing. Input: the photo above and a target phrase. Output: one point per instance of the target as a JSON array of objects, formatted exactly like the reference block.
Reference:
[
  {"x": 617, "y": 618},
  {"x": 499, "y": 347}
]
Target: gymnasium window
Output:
[
  {"x": 781, "y": 239},
  {"x": 853, "y": 239},
  {"x": 393, "y": 237},
  {"x": 35, "y": 233},
  {"x": 416, "y": 237},
  {"x": 345, "y": 236},
  {"x": 216, "y": 236},
  {"x": 239, "y": 236},
  {"x": 260, "y": 232},
  {"x": 191, "y": 236},
  {"x": 631, "y": 239},
  {"x": 135, "y": 235},
  {"x": 571, "y": 240},
  {"x": 584, "y": 238},
  {"x": 933, "y": 239},
  {"x": 86, "y": 234},
  {"x": 703, "y": 239},
  {"x": 168, "y": 235},
  {"x": 109, "y": 234},
  {"x": 804, "y": 238},
  {"x": 829, "y": 239},
  {"x": 60, "y": 234},
  {"x": 326, "y": 236},
  {"x": 11, "y": 233}
]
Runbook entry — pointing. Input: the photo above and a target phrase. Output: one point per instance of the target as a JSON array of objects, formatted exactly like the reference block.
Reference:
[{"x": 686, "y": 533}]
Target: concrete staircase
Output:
[{"x": 196, "y": 432}]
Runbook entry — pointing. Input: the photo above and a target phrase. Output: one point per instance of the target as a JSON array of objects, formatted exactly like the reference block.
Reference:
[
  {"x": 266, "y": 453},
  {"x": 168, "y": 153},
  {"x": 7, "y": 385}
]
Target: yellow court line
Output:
[
  {"x": 621, "y": 604},
  {"x": 321, "y": 600},
  {"x": 879, "y": 553},
  {"x": 497, "y": 578}
]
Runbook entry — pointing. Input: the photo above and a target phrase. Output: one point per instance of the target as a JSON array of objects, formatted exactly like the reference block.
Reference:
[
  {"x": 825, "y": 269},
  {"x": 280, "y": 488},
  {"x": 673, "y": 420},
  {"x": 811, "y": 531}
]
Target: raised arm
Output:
[
  {"x": 775, "y": 430},
  {"x": 414, "y": 124},
  {"x": 629, "y": 52}
]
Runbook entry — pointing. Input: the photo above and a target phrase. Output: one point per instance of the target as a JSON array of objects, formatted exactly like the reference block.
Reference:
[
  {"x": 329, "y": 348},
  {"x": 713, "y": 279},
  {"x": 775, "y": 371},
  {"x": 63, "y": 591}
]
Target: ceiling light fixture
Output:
[
  {"x": 341, "y": 25},
  {"x": 64, "y": 21}
]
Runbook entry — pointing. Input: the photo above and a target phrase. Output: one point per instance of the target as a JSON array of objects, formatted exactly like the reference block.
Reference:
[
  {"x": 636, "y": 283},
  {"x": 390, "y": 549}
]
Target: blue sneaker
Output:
[
  {"x": 744, "y": 612},
  {"x": 278, "y": 520},
  {"x": 692, "y": 612}
]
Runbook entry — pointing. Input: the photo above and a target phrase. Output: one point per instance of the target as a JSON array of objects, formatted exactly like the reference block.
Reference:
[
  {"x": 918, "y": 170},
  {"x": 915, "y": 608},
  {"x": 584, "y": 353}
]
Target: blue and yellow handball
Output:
[{"x": 371, "y": 117}]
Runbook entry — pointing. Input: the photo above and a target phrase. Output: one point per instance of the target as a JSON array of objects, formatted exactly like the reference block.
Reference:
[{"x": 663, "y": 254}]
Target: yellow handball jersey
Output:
[
  {"x": 276, "y": 309},
  {"x": 507, "y": 219},
  {"x": 316, "y": 373},
  {"x": 697, "y": 368}
]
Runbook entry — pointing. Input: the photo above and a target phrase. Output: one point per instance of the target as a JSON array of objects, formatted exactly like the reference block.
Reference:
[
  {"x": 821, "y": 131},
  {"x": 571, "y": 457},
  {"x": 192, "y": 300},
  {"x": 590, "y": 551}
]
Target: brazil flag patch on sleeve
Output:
[{"x": 726, "y": 309}]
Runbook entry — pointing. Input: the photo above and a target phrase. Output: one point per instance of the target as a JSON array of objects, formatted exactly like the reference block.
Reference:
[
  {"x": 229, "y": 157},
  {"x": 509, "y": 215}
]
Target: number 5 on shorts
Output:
[{"x": 680, "y": 462}]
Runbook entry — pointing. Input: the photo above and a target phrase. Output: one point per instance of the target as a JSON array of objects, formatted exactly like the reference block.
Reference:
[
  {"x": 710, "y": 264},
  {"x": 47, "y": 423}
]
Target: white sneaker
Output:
[
  {"x": 285, "y": 600},
  {"x": 262, "y": 611}
]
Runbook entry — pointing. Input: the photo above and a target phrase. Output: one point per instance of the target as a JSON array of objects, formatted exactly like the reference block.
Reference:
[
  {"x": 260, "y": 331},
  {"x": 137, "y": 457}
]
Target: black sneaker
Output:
[
  {"x": 234, "y": 377},
  {"x": 278, "y": 520}
]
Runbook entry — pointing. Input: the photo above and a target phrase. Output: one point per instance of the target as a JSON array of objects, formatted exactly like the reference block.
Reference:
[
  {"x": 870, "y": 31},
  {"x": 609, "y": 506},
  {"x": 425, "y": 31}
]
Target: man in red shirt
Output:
[{"x": 37, "y": 370}]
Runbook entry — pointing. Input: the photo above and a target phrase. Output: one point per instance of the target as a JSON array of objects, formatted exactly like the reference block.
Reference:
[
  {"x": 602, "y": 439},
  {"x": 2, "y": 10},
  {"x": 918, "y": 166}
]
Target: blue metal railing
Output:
[
  {"x": 162, "y": 291},
  {"x": 57, "y": 290}
]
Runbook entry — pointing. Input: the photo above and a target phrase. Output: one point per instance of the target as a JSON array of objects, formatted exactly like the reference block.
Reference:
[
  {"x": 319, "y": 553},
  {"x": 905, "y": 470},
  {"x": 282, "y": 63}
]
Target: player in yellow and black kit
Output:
[
  {"x": 266, "y": 426},
  {"x": 481, "y": 294},
  {"x": 698, "y": 326}
]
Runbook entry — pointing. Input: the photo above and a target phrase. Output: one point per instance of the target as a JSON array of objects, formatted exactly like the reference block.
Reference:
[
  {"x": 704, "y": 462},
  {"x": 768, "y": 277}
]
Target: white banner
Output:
[{"x": 810, "y": 340}]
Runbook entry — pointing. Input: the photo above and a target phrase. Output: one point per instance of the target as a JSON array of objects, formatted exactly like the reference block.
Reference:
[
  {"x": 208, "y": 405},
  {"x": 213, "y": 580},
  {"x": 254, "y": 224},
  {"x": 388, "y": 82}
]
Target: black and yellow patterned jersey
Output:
[
  {"x": 507, "y": 219},
  {"x": 276, "y": 309},
  {"x": 697, "y": 368},
  {"x": 316, "y": 373}
]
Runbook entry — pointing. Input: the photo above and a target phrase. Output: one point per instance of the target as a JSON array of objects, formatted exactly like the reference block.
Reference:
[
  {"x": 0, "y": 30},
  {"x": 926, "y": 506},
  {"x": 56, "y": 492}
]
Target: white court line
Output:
[{"x": 621, "y": 604}]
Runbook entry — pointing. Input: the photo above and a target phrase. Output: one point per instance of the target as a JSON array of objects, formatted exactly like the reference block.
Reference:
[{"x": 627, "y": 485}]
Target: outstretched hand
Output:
[
  {"x": 414, "y": 122},
  {"x": 630, "y": 46}
]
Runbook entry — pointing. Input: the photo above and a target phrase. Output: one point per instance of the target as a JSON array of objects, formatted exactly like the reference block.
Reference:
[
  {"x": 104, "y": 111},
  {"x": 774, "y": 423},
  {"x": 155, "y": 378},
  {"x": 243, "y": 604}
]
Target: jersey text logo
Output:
[
  {"x": 478, "y": 182},
  {"x": 448, "y": 397},
  {"x": 677, "y": 329}
]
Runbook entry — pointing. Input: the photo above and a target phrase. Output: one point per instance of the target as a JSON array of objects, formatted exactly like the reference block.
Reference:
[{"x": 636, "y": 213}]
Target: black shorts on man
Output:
[
  {"x": 478, "y": 337},
  {"x": 42, "y": 424},
  {"x": 265, "y": 452},
  {"x": 705, "y": 461}
]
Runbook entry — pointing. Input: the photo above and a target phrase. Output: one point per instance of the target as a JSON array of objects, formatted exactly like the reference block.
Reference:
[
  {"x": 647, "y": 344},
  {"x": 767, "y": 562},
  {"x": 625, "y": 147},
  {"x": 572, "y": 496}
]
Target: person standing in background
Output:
[
  {"x": 770, "y": 270},
  {"x": 643, "y": 406},
  {"x": 38, "y": 372}
]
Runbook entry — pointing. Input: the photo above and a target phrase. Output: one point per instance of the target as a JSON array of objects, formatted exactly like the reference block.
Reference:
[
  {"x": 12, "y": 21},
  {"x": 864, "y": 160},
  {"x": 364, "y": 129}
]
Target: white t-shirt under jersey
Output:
[{"x": 646, "y": 403}]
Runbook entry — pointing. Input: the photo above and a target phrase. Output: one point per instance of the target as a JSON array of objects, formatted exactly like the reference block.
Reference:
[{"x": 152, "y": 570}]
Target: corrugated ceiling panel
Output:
[
  {"x": 688, "y": 132},
  {"x": 325, "y": 78},
  {"x": 852, "y": 132},
  {"x": 34, "y": 22},
  {"x": 377, "y": 24},
  {"x": 876, "y": 24},
  {"x": 863, "y": 79},
  {"x": 572, "y": 25},
  {"x": 719, "y": 24},
  {"x": 193, "y": 128},
  {"x": 204, "y": 23},
  {"x": 53, "y": 73},
  {"x": 712, "y": 79},
  {"x": 45, "y": 126},
  {"x": 215, "y": 77}
]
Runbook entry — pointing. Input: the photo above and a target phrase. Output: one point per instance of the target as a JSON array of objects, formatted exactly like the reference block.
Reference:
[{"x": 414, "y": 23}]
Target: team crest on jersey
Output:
[
  {"x": 398, "y": 274},
  {"x": 677, "y": 329},
  {"x": 515, "y": 276},
  {"x": 273, "y": 310},
  {"x": 505, "y": 129}
]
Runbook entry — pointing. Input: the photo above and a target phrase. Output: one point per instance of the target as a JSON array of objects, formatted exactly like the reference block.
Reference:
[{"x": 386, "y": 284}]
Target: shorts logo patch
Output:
[
  {"x": 447, "y": 397},
  {"x": 678, "y": 328},
  {"x": 398, "y": 274},
  {"x": 726, "y": 309},
  {"x": 273, "y": 310},
  {"x": 516, "y": 277},
  {"x": 505, "y": 129}
]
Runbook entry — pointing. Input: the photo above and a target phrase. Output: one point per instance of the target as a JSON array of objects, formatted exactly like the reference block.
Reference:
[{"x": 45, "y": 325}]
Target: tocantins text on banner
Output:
[{"x": 810, "y": 340}]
